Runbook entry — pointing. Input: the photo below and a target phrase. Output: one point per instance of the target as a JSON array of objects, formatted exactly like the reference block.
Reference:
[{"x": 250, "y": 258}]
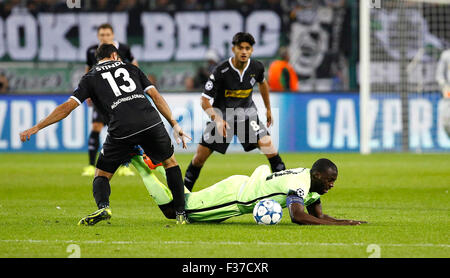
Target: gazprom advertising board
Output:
[{"x": 302, "y": 122}]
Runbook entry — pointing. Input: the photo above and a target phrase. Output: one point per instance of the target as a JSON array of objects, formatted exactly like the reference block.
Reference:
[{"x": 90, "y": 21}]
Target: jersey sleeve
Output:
[
  {"x": 260, "y": 75},
  {"x": 81, "y": 93},
  {"x": 298, "y": 185},
  {"x": 211, "y": 86},
  {"x": 146, "y": 84}
]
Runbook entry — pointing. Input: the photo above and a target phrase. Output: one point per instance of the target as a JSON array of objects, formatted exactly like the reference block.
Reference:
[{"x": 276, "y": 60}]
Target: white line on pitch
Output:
[{"x": 224, "y": 243}]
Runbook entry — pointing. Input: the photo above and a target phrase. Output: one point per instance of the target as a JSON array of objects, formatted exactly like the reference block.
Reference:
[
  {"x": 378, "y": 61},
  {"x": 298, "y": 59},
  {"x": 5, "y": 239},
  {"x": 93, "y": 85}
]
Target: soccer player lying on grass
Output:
[{"x": 294, "y": 188}]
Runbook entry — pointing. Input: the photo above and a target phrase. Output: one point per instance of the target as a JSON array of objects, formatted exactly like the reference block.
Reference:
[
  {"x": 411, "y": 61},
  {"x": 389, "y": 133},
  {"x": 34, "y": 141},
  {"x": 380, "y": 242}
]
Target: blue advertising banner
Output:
[{"x": 303, "y": 123}]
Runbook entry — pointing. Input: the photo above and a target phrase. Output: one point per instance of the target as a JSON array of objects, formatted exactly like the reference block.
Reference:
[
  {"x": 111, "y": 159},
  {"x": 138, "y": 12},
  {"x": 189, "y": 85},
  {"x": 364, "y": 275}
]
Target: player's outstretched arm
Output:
[
  {"x": 164, "y": 108},
  {"x": 315, "y": 209},
  {"x": 57, "y": 115},
  {"x": 299, "y": 216}
]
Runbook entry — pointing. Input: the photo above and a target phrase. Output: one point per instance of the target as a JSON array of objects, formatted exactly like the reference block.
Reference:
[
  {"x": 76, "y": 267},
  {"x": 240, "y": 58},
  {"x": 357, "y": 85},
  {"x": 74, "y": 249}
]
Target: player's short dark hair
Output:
[
  {"x": 243, "y": 37},
  {"x": 105, "y": 51},
  {"x": 105, "y": 26},
  {"x": 322, "y": 165}
]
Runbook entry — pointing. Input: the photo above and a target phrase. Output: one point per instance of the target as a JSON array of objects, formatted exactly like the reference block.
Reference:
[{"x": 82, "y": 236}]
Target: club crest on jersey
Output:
[
  {"x": 208, "y": 85},
  {"x": 300, "y": 192},
  {"x": 252, "y": 81}
]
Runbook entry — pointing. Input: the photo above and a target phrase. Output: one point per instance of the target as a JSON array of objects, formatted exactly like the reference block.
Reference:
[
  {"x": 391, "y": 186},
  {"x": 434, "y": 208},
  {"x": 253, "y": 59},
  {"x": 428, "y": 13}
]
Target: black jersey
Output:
[
  {"x": 123, "y": 49},
  {"x": 117, "y": 89},
  {"x": 229, "y": 88}
]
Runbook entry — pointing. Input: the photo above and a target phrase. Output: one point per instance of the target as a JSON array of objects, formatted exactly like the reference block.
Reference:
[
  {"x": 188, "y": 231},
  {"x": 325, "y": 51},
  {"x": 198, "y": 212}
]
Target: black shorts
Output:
[
  {"x": 155, "y": 142},
  {"x": 98, "y": 117},
  {"x": 248, "y": 132}
]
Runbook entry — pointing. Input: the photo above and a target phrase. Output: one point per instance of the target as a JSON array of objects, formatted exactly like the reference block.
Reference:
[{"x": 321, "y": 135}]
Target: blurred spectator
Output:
[
  {"x": 189, "y": 83},
  {"x": 443, "y": 73},
  {"x": 104, "y": 5},
  {"x": 152, "y": 78},
  {"x": 282, "y": 76},
  {"x": 4, "y": 85},
  {"x": 212, "y": 59},
  {"x": 191, "y": 5},
  {"x": 164, "y": 6}
]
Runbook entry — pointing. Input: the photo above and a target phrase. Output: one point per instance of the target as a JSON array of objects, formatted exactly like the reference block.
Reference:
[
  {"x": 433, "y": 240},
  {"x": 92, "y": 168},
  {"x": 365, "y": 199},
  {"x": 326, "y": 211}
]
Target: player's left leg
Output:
[
  {"x": 101, "y": 190},
  {"x": 111, "y": 157},
  {"x": 253, "y": 134},
  {"x": 266, "y": 146}
]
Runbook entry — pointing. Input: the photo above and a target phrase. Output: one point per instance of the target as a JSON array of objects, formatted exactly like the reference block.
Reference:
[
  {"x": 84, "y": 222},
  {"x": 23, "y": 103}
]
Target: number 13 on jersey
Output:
[{"x": 125, "y": 76}]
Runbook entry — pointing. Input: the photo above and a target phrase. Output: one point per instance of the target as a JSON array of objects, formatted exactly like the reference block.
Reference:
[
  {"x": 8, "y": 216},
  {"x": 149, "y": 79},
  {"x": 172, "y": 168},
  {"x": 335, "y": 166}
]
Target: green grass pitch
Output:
[{"x": 403, "y": 196}]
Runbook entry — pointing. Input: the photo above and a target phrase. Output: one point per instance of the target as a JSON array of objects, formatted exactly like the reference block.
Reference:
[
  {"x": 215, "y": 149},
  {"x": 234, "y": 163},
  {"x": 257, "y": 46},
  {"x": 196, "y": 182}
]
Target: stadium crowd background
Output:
[{"x": 330, "y": 75}]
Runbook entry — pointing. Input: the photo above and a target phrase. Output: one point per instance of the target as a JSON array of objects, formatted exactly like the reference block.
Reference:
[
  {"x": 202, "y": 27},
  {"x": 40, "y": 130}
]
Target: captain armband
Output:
[{"x": 291, "y": 199}]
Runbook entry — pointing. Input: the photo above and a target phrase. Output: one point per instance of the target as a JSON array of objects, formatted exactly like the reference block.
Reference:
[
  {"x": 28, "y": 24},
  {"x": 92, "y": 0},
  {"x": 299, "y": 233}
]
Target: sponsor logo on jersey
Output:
[
  {"x": 211, "y": 77},
  {"x": 209, "y": 85},
  {"x": 238, "y": 93},
  {"x": 225, "y": 70},
  {"x": 252, "y": 81}
]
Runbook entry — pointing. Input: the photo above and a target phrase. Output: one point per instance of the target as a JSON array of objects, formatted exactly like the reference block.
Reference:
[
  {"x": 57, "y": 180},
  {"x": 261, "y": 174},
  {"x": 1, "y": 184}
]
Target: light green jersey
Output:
[{"x": 238, "y": 194}]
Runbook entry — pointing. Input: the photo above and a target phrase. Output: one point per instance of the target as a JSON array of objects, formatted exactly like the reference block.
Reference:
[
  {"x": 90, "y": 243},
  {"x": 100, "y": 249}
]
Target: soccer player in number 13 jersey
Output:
[
  {"x": 233, "y": 111},
  {"x": 118, "y": 90}
]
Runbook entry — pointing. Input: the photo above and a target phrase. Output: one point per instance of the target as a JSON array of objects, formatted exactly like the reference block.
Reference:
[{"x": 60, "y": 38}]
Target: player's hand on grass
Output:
[
  {"x": 25, "y": 135},
  {"x": 351, "y": 222},
  {"x": 180, "y": 136},
  {"x": 269, "y": 118}
]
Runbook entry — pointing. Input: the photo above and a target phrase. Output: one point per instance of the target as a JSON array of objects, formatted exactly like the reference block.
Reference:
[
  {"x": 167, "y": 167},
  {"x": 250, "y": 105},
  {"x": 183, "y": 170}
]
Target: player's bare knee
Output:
[
  {"x": 170, "y": 162},
  {"x": 101, "y": 173},
  {"x": 266, "y": 146}
]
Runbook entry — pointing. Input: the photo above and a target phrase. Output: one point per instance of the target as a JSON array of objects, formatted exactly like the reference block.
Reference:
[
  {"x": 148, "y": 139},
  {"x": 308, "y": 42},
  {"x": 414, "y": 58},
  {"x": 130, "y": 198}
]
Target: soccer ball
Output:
[{"x": 267, "y": 212}]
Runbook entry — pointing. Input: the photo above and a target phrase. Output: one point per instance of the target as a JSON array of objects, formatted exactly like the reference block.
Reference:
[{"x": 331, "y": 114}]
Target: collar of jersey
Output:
[{"x": 243, "y": 72}]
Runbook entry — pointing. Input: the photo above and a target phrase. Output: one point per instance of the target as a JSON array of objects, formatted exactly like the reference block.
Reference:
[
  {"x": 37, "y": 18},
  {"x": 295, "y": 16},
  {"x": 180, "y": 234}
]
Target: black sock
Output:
[
  {"x": 175, "y": 183},
  {"x": 94, "y": 144},
  {"x": 276, "y": 164},
  {"x": 191, "y": 176},
  {"x": 101, "y": 190}
]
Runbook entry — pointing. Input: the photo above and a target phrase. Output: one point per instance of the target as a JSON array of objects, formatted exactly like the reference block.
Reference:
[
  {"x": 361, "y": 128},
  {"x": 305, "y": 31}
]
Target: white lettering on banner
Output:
[
  {"x": 164, "y": 37},
  {"x": 190, "y": 30},
  {"x": 3, "y": 110},
  {"x": 14, "y": 23},
  {"x": 47, "y": 137},
  {"x": 374, "y": 106},
  {"x": 159, "y": 41},
  {"x": 266, "y": 43},
  {"x": 87, "y": 26},
  {"x": 443, "y": 111},
  {"x": 54, "y": 45},
  {"x": 21, "y": 119},
  {"x": 420, "y": 124},
  {"x": 345, "y": 125},
  {"x": 73, "y": 129},
  {"x": 318, "y": 134},
  {"x": 392, "y": 122},
  {"x": 222, "y": 27},
  {"x": 2, "y": 38},
  {"x": 119, "y": 22}
]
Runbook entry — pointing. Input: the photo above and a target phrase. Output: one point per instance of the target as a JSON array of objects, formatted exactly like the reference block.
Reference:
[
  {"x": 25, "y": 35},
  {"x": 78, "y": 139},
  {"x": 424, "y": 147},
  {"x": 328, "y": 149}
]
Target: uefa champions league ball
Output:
[{"x": 267, "y": 212}]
